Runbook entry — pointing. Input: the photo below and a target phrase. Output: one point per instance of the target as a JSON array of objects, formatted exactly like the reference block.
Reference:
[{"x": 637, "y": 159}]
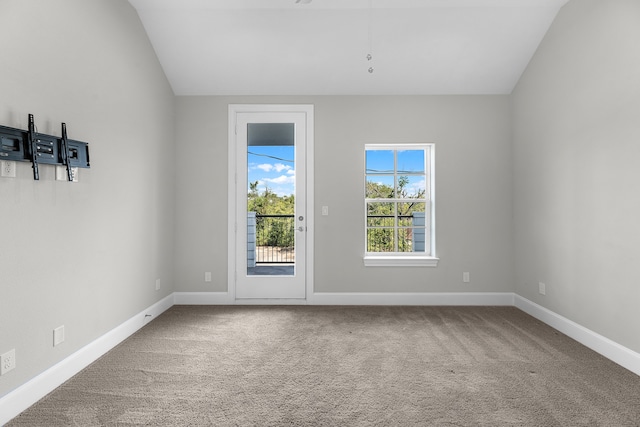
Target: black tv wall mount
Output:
[{"x": 38, "y": 148}]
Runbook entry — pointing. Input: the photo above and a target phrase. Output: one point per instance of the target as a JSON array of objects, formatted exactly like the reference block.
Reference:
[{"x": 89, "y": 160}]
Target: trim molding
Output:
[
  {"x": 400, "y": 261},
  {"x": 613, "y": 351},
  {"x": 12, "y": 404},
  {"x": 352, "y": 298}
]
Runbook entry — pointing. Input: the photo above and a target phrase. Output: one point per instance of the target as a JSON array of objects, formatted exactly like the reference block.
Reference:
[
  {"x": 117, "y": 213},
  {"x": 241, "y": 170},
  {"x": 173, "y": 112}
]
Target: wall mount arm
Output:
[{"x": 37, "y": 148}]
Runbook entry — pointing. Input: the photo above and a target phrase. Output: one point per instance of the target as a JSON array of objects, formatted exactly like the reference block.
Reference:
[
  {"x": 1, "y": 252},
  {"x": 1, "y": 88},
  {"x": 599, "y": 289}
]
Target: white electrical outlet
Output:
[
  {"x": 465, "y": 277},
  {"x": 7, "y": 361},
  {"x": 8, "y": 168},
  {"x": 207, "y": 276},
  {"x": 542, "y": 288},
  {"x": 61, "y": 173},
  {"x": 157, "y": 284},
  {"x": 58, "y": 335}
]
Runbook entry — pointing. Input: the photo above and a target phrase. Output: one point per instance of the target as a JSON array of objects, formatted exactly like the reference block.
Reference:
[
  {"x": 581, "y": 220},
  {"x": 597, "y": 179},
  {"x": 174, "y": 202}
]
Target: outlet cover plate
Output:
[
  {"x": 7, "y": 361},
  {"x": 8, "y": 168},
  {"x": 542, "y": 288},
  {"x": 58, "y": 335},
  {"x": 61, "y": 173}
]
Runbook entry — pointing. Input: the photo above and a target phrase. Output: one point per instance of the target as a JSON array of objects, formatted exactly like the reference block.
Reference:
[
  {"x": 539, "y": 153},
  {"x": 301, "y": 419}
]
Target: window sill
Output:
[{"x": 399, "y": 261}]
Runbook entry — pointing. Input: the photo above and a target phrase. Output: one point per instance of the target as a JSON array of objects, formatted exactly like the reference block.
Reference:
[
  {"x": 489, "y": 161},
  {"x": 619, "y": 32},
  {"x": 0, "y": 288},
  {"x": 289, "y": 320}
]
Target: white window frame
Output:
[{"x": 409, "y": 259}]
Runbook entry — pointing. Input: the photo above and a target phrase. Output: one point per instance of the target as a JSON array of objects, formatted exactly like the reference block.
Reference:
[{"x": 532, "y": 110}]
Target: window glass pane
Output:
[
  {"x": 411, "y": 214},
  {"x": 271, "y": 199},
  {"x": 380, "y": 240},
  {"x": 405, "y": 240},
  {"x": 412, "y": 187},
  {"x": 379, "y": 161},
  {"x": 412, "y": 239},
  {"x": 379, "y": 187},
  {"x": 405, "y": 221},
  {"x": 380, "y": 214},
  {"x": 411, "y": 161}
]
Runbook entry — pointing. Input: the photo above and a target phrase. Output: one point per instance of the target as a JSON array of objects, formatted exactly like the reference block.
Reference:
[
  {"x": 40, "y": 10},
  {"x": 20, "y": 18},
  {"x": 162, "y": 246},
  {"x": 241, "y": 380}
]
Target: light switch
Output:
[{"x": 325, "y": 210}]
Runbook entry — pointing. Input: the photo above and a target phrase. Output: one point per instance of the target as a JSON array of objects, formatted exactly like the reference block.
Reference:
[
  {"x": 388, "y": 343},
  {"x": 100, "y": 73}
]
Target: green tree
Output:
[{"x": 271, "y": 231}]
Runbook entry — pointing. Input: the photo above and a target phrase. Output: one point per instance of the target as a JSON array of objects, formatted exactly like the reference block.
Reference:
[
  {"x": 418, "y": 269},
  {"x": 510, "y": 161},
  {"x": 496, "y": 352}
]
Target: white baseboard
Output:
[
  {"x": 346, "y": 298},
  {"x": 271, "y": 301},
  {"x": 12, "y": 404},
  {"x": 462, "y": 298},
  {"x": 613, "y": 351}
]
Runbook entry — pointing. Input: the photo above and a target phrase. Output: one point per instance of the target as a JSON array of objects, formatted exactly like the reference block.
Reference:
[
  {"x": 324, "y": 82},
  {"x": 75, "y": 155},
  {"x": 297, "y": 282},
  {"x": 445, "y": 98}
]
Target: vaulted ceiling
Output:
[{"x": 280, "y": 47}]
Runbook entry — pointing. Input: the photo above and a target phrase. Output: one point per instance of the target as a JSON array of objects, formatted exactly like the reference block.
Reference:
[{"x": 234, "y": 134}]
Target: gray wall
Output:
[
  {"x": 576, "y": 125},
  {"x": 473, "y": 189},
  {"x": 82, "y": 255}
]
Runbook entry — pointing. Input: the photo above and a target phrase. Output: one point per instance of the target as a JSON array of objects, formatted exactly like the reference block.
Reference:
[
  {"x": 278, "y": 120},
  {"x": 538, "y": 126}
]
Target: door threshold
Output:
[{"x": 271, "y": 301}]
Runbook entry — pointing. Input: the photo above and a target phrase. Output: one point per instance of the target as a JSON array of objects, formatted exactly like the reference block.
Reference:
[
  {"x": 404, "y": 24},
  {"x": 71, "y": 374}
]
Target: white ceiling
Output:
[{"x": 278, "y": 47}]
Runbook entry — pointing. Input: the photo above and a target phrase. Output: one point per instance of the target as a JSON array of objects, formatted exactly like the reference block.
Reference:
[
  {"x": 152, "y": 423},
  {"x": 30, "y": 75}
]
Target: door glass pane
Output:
[{"x": 271, "y": 199}]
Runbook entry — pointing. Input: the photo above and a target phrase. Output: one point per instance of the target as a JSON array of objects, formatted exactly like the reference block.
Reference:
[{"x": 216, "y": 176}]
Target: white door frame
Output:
[{"x": 232, "y": 272}]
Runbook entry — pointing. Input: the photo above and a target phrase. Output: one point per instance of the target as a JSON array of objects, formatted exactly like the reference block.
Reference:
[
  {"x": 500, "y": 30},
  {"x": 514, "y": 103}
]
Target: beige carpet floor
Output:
[{"x": 344, "y": 366}]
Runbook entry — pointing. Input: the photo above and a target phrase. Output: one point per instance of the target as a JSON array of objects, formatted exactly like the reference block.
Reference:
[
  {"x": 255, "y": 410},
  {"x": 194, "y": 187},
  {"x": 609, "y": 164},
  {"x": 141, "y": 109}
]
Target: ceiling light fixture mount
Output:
[{"x": 370, "y": 54}]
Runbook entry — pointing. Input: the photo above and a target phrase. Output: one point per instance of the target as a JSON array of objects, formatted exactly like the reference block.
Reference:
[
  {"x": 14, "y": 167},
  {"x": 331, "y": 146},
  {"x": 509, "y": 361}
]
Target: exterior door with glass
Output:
[{"x": 270, "y": 205}]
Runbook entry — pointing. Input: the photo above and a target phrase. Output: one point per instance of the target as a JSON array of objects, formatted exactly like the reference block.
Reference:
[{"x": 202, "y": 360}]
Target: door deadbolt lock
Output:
[{"x": 300, "y": 218}]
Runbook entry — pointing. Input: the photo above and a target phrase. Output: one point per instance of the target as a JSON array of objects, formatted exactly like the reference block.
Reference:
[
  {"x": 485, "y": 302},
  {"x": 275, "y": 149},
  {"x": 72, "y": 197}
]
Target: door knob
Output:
[{"x": 300, "y": 228}]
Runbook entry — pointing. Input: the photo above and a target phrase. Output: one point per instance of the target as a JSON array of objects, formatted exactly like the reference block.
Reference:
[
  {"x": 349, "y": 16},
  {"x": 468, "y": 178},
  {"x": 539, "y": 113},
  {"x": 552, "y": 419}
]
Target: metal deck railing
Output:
[{"x": 275, "y": 238}]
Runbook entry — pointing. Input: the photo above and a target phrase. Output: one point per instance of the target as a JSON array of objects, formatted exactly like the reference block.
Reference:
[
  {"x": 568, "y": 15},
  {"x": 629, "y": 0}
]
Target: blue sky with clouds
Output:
[{"x": 273, "y": 167}]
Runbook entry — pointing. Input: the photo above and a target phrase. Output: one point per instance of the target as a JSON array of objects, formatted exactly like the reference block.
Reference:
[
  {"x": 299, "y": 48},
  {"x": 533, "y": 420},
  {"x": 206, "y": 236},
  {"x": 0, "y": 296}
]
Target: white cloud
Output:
[
  {"x": 279, "y": 167},
  {"x": 282, "y": 179},
  {"x": 291, "y": 172},
  {"x": 415, "y": 187},
  {"x": 265, "y": 167}
]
